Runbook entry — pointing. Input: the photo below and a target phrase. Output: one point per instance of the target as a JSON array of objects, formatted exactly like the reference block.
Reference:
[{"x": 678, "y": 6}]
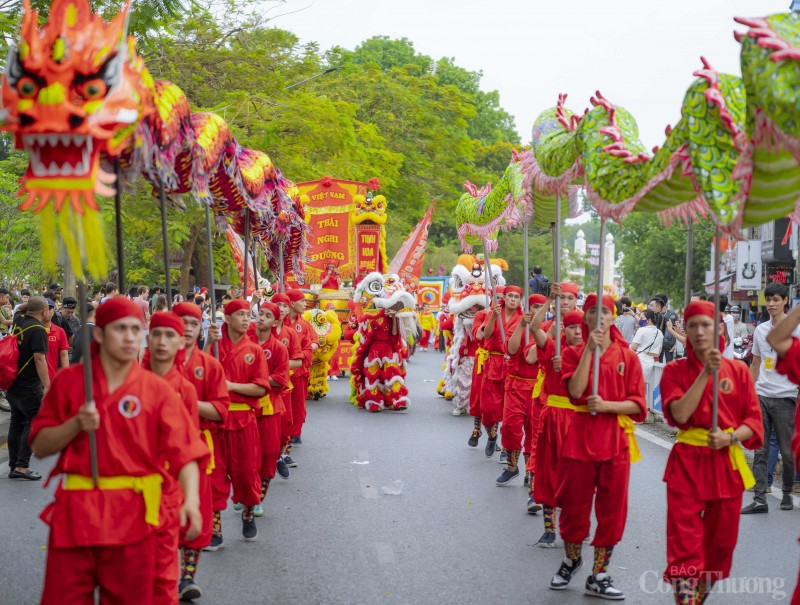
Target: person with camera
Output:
[
  {"x": 658, "y": 305},
  {"x": 647, "y": 343},
  {"x": 626, "y": 321}
]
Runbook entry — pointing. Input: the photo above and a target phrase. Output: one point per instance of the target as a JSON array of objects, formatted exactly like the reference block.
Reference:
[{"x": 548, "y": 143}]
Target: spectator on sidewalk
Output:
[
  {"x": 6, "y": 317},
  {"x": 538, "y": 283},
  {"x": 57, "y": 342},
  {"x": 647, "y": 344},
  {"x": 658, "y": 305},
  {"x": 24, "y": 297},
  {"x": 626, "y": 320},
  {"x": 25, "y": 394},
  {"x": 778, "y": 398},
  {"x": 76, "y": 356},
  {"x": 739, "y": 327}
]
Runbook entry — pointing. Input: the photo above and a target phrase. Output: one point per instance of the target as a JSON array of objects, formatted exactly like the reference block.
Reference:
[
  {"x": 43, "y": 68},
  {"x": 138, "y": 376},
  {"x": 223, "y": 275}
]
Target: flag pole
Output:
[
  {"x": 165, "y": 242},
  {"x": 557, "y": 269},
  {"x": 87, "y": 378},
  {"x": 599, "y": 310},
  {"x": 715, "y": 399},
  {"x": 211, "y": 277},
  {"x": 494, "y": 291}
]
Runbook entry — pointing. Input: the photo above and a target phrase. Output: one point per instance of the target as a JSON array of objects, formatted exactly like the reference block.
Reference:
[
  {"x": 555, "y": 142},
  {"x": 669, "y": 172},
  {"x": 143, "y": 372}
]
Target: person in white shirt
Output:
[
  {"x": 778, "y": 398},
  {"x": 739, "y": 327},
  {"x": 647, "y": 342},
  {"x": 727, "y": 353}
]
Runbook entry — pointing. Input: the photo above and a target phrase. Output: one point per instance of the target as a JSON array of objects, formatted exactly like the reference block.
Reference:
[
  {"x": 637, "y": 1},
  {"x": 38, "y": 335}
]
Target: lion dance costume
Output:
[
  {"x": 378, "y": 365},
  {"x": 329, "y": 331}
]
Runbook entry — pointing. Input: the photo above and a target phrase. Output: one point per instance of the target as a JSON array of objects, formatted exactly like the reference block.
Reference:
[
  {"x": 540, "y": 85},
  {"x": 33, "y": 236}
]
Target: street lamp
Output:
[{"x": 324, "y": 73}]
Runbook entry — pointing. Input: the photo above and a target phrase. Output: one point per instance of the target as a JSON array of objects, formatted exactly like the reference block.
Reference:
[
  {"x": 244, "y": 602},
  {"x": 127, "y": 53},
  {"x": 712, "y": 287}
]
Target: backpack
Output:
[
  {"x": 9, "y": 359},
  {"x": 544, "y": 285}
]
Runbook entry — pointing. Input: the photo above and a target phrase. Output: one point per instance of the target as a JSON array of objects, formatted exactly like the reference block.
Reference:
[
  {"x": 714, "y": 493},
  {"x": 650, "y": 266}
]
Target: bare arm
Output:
[
  {"x": 678, "y": 336},
  {"x": 600, "y": 405},
  {"x": 683, "y": 408},
  {"x": 755, "y": 367},
  {"x": 40, "y": 359},
  {"x": 189, "y": 478},
  {"x": 580, "y": 379},
  {"x": 53, "y": 439},
  {"x": 208, "y": 411},
  {"x": 780, "y": 337},
  {"x": 63, "y": 359},
  {"x": 536, "y": 326},
  {"x": 248, "y": 389},
  {"x": 516, "y": 337}
]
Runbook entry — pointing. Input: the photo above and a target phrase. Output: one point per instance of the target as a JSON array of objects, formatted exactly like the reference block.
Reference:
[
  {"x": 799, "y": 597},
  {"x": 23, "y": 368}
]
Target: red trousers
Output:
[
  {"x": 286, "y": 418},
  {"x": 123, "y": 573},
  {"x": 299, "y": 394},
  {"x": 237, "y": 457},
  {"x": 532, "y": 434},
  {"x": 701, "y": 535},
  {"x": 492, "y": 395},
  {"x": 165, "y": 581},
  {"x": 577, "y": 482},
  {"x": 425, "y": 339},
  {"x": 796, "y": 595},
  {"x": 516, "y": 410},
  {"x": 554, "y": 425},
  {"x": 269, "y": 430},
  {"x": 207, "y": 510},
  {"x": 475, "y": 392}
]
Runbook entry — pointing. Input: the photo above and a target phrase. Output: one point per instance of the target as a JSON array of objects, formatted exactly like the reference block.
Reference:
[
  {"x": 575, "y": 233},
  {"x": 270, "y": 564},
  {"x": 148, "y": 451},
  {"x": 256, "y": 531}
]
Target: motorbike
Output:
[{"x": 743, "y": 349}]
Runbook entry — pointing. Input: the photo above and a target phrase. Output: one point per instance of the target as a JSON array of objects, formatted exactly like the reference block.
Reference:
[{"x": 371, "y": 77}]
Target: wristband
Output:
[{"x": 734, "y": 439}]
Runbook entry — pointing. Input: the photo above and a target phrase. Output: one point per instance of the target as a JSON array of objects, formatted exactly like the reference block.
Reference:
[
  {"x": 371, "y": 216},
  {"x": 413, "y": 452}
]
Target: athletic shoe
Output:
[
  {"x": 786, "y": 502},
  {"x": 506, "y": 477},
  {"x": 289, "y": 462},
  {"x": 473, "y": 441},
  {"x": 503, "y": 457},
  {"x": 215, "y": 544},
  {"x": 602, "y": 586},
  {"x": 458, "y": 412},
  {"x": 237, "y": 506},
  {"x": 490, "y": 447},
  {"x": 258, "y": 510},
  {"x": 334, "y": 378},
  {"x": 754, "y": 508},
  {"x": 188, "y": 590},
  {"x": 297, "y": 441},
  {"x": 283, "y": 470},
  {"x": 548, "y": 540},
  {"x": 568, "y": 568},
  {"x": 249, "y": 529},
  {"x": 533, "y": 506}
]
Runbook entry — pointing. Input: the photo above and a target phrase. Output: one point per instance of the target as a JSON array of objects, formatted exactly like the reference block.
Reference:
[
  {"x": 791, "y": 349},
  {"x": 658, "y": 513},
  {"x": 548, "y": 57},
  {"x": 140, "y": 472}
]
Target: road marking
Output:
[
  {"x": 654, "y": 439},
  {"x": 385, "y": 553}
]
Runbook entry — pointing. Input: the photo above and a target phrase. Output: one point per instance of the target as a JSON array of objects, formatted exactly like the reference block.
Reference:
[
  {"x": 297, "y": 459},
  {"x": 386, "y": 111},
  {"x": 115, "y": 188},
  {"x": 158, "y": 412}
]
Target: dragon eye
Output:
[
  {"x": 27, "y": 88},
  {"x": 374, "y": 286},
  {"x": 93, "y": 89}
]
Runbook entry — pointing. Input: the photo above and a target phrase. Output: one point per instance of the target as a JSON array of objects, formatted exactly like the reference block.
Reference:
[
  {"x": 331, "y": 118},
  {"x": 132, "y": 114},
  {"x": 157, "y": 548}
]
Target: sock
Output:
[
  {"x": 217, "y": 529},
  {"x": 247, "y": 513},
  {"x": 602, "y": 555},
  {"x": 549, "y": 513},
  {"x": 513, "y": 459},
  {"x": 476, "y": 426},
  {"x": 189, "y": 559},
  {"x": 685, "y": 591},
  {"x": 264, "y": 488},
  {"x": 289, "y": 448},
  {"x": 530, "y": 489},
  {"x": 704, "y": 588},
  {"x": 573, "y": 550},
  {"x": 493, "y": 433}
]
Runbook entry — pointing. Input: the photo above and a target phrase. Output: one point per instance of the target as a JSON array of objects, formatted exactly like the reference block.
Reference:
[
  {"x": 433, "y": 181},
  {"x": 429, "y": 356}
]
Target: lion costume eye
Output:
[
  {"x": 27, "y": 88},
  {"x": 93, "y": 89},
  {"x": 374, "y": 286}
]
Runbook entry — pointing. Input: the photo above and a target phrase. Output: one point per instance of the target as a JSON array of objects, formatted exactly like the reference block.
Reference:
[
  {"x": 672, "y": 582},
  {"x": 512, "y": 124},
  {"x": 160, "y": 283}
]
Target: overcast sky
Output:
[{"x": 639, "y": 53}]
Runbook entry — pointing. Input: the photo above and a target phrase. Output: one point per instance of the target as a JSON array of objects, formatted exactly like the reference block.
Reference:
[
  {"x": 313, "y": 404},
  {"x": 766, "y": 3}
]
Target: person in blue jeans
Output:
[{"x": 772, "y": 461}]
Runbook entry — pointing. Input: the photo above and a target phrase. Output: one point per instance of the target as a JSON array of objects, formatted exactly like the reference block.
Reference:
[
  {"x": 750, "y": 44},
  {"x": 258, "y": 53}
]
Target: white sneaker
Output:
[
  {"x": 601, "y": 586},
  {"x": 458, "y": 412},
  {"x": 334, "y": 378}
]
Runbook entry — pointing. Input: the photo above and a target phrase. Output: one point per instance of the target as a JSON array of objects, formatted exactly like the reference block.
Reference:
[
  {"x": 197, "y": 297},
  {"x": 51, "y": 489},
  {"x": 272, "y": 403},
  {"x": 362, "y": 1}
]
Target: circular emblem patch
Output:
[
  {"x": 130, "y": 406},
  {"x": 198, "y": 372},
  {"x": 285, "y": 342},
  {"x": 298, "y": 328},
  {"x": 248, "y": 359},
  {"x": 268, "y": 354},
  {"x": 726, "y": 386},
  {"x": 621, "y": 369}
]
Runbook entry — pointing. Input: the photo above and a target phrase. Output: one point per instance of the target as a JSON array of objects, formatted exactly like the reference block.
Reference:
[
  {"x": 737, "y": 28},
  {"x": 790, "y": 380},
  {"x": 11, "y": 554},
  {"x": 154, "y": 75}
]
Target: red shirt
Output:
[
  {"x": 517, "y": 365},
  {"x": 277, "y": 357},
  {"x": 307, "y": 338},
  {"x": 600, "y": 437},
  {"x": 554, "y": 383},
  {"x": 205, "y": 373},
  {"x": 495, "y": 366},
  {"x": 143, "y": 423},
  {"x": 56, "y": 342},
  {"x": 244, "y": 363},
  {"x": 701, "y": 471}
]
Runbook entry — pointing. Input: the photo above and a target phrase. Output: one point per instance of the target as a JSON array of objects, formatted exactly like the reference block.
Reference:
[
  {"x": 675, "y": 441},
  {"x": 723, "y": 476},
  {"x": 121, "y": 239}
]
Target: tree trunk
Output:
[{"x": 188, "y": 253}]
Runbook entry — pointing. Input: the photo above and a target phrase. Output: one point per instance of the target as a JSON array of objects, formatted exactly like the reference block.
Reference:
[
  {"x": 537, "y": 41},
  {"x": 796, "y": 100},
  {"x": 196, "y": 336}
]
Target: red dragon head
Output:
[{"x": 73, "y": 89}]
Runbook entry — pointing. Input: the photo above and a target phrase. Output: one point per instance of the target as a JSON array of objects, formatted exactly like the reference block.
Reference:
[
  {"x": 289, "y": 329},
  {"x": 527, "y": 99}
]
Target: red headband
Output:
[
  {"x": 188, "y": 310},
  {"x": 536, "y": 299},
  {"x": 237, "y": 304},
  {"x": 700, "y": 307},
  {"x": 295, "y": 295},
  {"x": 500, "y": 289},
  {"x": 608, "y": 303},
  {"x": 272, "y": 308},
  {"x": 573, "y": 318},
  {"x": 115, "y": 309},
  {"x": 514, "y": 289},
  {"x": 167, "y": 319},
  {"x": 569, "y": 288},
  {"x": 280, "y": 297}
]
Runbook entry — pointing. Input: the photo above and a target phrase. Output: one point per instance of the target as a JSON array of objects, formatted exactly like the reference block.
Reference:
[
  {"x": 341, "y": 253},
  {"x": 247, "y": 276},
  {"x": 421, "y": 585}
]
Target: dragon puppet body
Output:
[
  {"x": 386, "y": 321},
  {"x": 469, "y": 294},
  {"x": 329, "y": 331},
  {"x": 78, "y": 97}
]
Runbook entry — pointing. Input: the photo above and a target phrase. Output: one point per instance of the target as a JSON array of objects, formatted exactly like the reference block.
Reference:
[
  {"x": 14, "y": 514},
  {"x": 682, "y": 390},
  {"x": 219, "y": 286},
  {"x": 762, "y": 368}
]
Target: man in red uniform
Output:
[
  {"x": 291, "y": 339},
  {"x": 309, "y": 344},
  {"x": 269, "y": 419},
  {"x": 707, "y": 472},
  {"x": 104, "y": 535},
  {"x": 205, "y": 373},
  {"x": 502, "y": 317},
  {"x": 57, "y": 343},
  {"x": 599, "y": 447},
  {"x": 481, "y": 354},
  {"x": 165, "y": 356},
  {"x": 238, "y": 457},
  {"x": 518, "y": 392}
]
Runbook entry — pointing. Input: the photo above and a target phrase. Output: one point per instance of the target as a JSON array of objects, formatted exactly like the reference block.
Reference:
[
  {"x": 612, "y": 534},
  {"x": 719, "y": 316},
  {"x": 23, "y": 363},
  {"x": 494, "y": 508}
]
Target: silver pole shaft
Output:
[
  {"x": 165, "y": 242},
  {"x": 246, "y": 251},
  {"x": 557, "y": 269},
  {"x": 86, "y": 358},
  {"x": 715, "y": 400},
  {"x": 501, "y": 327},
  {"x": 281, "y": 269},
  {"x": 687, "y": 283},
  {"x": 211, "y": 279},
  {"x": 599, "y": 309},
  {"x": 525, "y": 278}
]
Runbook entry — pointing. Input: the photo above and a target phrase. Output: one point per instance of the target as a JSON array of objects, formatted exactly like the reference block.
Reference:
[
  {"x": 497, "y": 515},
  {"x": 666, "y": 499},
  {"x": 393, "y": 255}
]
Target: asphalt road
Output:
[{"x": 330, "y": 535}]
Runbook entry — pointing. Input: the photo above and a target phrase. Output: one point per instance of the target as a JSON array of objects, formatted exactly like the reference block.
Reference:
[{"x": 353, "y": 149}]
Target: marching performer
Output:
[
  {"x": 707, "y": 472},
  {"x": 299, "y": 393},
  {"x": 291, "y": 339},
  {"x": 599, "y": 447},
  {"x": 430, "y": 328},
  {"x": 104, "y": 535}
]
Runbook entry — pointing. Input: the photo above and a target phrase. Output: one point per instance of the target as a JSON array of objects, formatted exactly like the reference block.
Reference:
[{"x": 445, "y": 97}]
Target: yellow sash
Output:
[
  {"x": 210, "y": 442},
  {"x": 266, "y": 405},
  {"x": 537, "y": 388},
  {"x": 239, "y": 407},
  {"x": 698, "y": 437},
  {"x": 149, "y": 486},
  {"x": 481, "y": 355},
  {"x": 559, "y": 401}
]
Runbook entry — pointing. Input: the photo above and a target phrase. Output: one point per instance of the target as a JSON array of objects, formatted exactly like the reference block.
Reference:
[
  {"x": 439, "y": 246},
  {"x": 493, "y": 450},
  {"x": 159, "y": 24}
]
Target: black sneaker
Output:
[
  {"x": 568, "y": 568},
  {"x": 297, "y": 441},
  {"x": 215, "y": 544},
  {"x": 533, "y": 506},
  {"x": 506, "y": 477},
  {"x": 473, "y": 441},
  {"x": 602, "y": 586},
  {"x": 283, "y": 470},
  {"x": 527, "y": 482},
  {"x": 188, "y": 591},
  {"x": 548, "y": 540},
  {"x": 754, "y": 508},
  {"x": 490, "y": 447},
  {"x": 289, "y": 462},
  {"x": 249, "y": 529},
  {"x": 786, "y": 502},
  {"x": 503, "y": 457}
]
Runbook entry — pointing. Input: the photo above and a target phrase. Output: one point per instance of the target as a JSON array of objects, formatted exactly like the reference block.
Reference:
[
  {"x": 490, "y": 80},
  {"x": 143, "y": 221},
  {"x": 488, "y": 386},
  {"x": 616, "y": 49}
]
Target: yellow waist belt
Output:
[
  {"x": 266, "y": 406},
  {"x": 698, "y": 437},
  {"x": 239, "y": 407},
  {"x": 559, "y": 401},
  {"x": 149, "y": 486},
  {"x": 537, "y": 388},
  {"x": 481, "y": 355},
  {"x": 210, "y": 443}
]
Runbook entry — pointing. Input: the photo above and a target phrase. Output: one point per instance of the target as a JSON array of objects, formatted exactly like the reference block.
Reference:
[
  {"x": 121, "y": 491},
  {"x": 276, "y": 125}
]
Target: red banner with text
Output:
[{"x": 368, "y": 244}]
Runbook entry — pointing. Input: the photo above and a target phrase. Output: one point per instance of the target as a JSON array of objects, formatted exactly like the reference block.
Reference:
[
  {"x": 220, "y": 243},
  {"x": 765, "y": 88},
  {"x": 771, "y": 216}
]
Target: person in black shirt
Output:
[
  {"x": 25, "y": 394},
  {"x": 76, "y": 356}
]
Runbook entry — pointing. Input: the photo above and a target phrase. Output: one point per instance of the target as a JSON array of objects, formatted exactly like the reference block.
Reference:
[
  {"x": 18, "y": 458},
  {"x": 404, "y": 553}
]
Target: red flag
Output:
[{"x": 407, "y": 263}]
